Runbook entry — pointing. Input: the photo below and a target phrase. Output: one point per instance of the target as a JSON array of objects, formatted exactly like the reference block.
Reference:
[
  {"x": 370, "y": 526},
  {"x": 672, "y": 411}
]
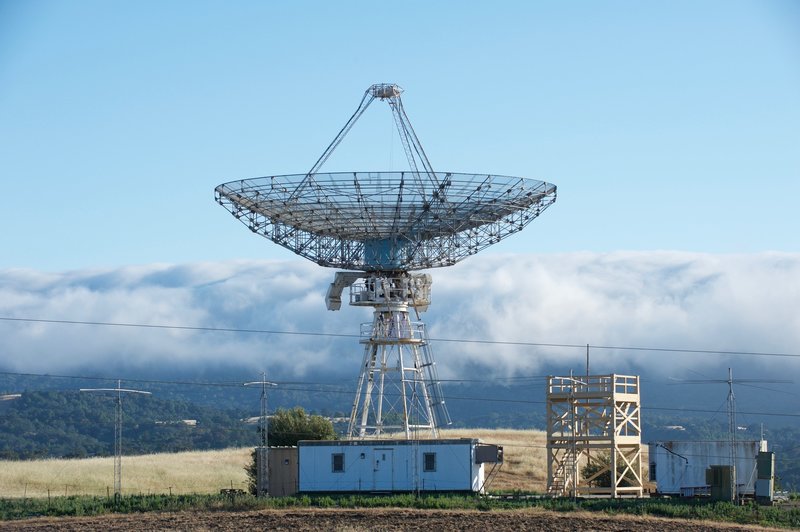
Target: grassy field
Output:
[
  {"x": 188, "y": 472},
  {"x": 524, "y": 455},
  {"x": 525, "y": 468}
]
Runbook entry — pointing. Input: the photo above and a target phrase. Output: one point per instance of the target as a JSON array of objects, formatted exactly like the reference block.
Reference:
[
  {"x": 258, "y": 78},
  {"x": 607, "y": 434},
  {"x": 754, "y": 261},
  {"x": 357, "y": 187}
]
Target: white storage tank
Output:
[{"x": 394, "y": 465}]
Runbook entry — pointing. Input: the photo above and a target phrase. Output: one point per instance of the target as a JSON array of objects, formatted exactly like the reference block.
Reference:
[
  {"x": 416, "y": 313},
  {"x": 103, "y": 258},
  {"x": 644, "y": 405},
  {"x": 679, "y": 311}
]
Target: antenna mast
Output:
[
  {"x": 732, "y": 435},
  {"x": 262, "y": 453},
  {"x": 731, "y": 404},
  {"x": 117, "y": 430}
]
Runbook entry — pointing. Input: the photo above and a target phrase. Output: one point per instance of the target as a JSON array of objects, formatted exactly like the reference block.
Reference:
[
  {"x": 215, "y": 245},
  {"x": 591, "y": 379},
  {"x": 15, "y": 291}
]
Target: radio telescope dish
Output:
[
  {"x": 386, "y": 221},
  {"x": 384, "y": 225}
]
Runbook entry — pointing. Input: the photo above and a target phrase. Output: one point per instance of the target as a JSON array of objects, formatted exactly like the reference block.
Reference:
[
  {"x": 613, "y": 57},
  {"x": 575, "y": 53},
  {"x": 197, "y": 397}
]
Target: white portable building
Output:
[
  {"x": 679, "y": 467},
  {"x": 394, "y": 465}
]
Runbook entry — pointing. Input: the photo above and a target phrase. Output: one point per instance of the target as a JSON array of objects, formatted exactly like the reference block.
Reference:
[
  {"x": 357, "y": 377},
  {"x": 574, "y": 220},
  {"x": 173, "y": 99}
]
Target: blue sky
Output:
[
  {"x": 666, "y": 126},
  {"x": 671, "y": 129}
]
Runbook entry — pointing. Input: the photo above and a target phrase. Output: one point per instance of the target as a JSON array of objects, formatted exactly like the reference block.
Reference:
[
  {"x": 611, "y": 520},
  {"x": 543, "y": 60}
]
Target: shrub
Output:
[{"x": 286, "y": 428}]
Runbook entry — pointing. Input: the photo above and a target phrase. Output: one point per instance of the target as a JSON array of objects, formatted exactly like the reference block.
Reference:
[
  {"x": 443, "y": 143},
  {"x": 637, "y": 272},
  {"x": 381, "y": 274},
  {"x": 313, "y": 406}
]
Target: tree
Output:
[{"x": 286, "y": 428}]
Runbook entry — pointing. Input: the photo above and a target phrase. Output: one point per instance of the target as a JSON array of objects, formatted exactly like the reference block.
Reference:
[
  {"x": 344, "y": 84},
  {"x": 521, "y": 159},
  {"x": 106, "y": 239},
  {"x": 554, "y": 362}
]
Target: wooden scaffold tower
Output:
[{"x": 595, "y": 421}]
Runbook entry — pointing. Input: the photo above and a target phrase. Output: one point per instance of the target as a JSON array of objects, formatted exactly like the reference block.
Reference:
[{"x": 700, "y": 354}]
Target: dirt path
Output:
[{"x": 377, "y": 519}]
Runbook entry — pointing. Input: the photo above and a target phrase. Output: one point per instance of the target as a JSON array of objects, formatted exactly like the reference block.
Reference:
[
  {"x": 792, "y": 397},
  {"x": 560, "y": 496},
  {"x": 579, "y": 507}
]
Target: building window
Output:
[
  {"x": 337, "y": 462},
  {"x": 429, "y": 461}
]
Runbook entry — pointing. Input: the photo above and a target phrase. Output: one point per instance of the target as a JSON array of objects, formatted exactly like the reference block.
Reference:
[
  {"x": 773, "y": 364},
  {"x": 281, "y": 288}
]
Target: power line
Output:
[
  {"x": 448, "y": 340},
  {"x": 177, "y": 327},
  {"x": 145, "y": 381},
  {"x": 517, "y": 380},
  {"x": 322, "y": 387}
]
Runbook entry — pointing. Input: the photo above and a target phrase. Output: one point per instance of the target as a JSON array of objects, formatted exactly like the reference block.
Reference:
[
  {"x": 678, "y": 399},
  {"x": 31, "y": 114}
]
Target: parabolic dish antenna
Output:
[{"x": 384, "y": 225}]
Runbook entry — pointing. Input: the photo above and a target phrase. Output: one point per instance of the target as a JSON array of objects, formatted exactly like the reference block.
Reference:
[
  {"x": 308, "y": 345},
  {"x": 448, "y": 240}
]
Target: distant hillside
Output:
[
  {"x": 61, "y": 422},
  {"x": 74, "y": 424}
]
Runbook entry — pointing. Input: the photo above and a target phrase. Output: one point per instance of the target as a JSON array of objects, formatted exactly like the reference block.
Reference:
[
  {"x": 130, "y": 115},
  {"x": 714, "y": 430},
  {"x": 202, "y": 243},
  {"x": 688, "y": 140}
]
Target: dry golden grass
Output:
[
  {"x": 524, "y": 455},
  {"x": 187, "y": 472},
  {"x": 525, "y": 468}
]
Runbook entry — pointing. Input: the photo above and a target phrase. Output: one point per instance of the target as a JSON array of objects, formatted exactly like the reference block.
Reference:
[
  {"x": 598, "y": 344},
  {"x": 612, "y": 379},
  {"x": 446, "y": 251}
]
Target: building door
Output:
[{"x": 383, "y": 469}]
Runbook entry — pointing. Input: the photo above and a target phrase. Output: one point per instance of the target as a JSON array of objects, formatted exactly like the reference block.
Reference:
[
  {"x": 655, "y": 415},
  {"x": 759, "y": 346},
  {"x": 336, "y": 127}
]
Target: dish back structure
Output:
[{"x": 385, "y": 225}]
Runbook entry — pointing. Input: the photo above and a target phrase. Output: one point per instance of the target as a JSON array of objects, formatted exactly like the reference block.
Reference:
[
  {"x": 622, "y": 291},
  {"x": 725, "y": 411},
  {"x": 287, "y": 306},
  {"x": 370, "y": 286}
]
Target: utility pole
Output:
[
  {"x": 117, "y": 430},
  {"x": 262, "y": 452},
  {"x": 732, "y": 434},
  {"x": 587, "y": 361}
]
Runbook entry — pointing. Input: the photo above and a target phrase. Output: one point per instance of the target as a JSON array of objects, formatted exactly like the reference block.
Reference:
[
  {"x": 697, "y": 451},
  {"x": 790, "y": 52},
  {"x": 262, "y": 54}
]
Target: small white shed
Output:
[
  {"x": 394, "y": 465},
  {"x": 679, "y": 467}
]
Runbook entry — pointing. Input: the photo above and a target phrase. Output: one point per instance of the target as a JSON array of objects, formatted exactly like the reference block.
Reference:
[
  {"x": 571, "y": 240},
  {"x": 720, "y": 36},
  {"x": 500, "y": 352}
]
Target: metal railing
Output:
[
  {"x": 393, "y": 331},
  {"x": 589, "y": 384}
]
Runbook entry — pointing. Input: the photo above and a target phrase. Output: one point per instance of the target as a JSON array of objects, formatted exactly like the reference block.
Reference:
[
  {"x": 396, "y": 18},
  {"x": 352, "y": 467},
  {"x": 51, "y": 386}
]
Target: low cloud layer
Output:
[{"x": 653, "y": 299}]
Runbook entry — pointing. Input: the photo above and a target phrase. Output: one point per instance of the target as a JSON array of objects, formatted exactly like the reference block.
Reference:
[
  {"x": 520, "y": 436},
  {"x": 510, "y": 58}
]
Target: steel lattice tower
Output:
[{"x": 382, "y": 226}]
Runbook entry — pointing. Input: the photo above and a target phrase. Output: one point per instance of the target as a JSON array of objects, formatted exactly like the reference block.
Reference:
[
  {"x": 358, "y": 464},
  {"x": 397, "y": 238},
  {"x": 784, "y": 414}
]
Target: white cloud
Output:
[
  {"x": 651, "y": 299},
  {"x": 654, "y": 299}
]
